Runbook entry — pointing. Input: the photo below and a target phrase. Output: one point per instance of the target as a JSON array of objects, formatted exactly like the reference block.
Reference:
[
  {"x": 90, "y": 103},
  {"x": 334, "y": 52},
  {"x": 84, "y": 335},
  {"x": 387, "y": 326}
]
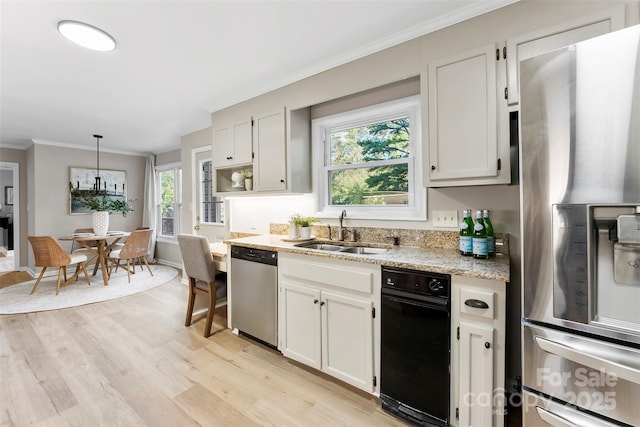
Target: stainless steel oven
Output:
[{"x": 580, "y": 193}]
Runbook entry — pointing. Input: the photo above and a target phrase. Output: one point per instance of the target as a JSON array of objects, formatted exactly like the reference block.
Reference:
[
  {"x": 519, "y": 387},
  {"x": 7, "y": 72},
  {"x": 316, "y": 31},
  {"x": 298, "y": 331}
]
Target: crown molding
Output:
[
  {"x": 84, "y": 147},
  {"x": 473, "y": 10}
]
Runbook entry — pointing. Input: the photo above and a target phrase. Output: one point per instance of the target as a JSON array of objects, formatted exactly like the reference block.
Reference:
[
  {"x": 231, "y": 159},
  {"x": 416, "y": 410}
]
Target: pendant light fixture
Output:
[
  {"x": 98, "y": 179},
  {"x": 86, "y": 35}
]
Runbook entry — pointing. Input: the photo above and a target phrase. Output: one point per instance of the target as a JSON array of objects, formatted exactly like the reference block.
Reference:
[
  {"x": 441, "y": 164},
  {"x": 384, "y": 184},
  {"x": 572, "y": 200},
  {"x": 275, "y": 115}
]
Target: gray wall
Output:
[{"x": 48, "y": 190}]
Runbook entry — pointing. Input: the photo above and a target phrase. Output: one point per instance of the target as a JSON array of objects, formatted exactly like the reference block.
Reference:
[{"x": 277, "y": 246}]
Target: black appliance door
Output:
[{"x": 415, "y": 356}]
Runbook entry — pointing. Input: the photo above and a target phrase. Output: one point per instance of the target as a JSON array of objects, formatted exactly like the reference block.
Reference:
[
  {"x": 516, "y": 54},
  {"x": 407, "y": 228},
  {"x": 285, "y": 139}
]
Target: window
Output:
[
  {"x": 369, "y": 162},
  {"x": 170, "y": 199},
  {"x": 211, "y": 208}
]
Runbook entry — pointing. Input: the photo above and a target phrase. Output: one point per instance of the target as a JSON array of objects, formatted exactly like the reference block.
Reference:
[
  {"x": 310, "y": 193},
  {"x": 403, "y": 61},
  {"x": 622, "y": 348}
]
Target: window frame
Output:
[
  {"x": 415, "y": 210},
  {"x": 177, "y": 208},
  {"x": 215, "y": 199}
]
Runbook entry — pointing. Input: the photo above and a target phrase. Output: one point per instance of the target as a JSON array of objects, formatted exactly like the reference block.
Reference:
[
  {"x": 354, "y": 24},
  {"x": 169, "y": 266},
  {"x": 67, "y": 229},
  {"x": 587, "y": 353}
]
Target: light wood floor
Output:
[
  {"x": 131, "y": 362},
  {"x": 13, "y": 277}
]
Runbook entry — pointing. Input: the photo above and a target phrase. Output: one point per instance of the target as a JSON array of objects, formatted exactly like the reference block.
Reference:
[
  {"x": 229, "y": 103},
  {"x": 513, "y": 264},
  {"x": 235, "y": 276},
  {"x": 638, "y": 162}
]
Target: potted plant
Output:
[
  {"x": 101, "y": 205},
  {"x": 304, "y": 225},
  {"x": 247, "y": 175}
]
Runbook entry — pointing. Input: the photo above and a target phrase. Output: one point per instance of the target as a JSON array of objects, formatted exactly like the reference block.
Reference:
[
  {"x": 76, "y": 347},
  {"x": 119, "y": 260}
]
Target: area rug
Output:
[{"x": 18, "y": 299}]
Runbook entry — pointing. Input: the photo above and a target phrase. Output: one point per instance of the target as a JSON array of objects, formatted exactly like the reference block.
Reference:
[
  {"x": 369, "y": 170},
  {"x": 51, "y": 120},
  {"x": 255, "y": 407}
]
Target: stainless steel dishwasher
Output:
[{"x": 254, "y": 293}]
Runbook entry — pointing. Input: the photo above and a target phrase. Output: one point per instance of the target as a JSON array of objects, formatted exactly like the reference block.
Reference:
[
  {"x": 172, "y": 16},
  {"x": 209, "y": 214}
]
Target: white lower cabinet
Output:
[
  {"x": 478, "y": 311},
  {"x": 347, "y": 338},
  {"x": 327, "y": 318},
  {"x": 300, "y": 327},
  {"x": 476, "y": 374}
]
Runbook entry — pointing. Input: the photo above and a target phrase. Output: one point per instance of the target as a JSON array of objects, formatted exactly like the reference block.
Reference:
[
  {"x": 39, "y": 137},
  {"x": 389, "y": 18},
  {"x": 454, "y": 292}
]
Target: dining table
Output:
[{"x": 103, "y": 245}]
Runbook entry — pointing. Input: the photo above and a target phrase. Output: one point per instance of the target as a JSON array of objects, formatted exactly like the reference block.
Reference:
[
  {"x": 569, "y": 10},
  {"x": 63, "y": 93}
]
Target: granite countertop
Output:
[
  {"x": 446, "y": 261},
  {"x": 218, "y": 249}
]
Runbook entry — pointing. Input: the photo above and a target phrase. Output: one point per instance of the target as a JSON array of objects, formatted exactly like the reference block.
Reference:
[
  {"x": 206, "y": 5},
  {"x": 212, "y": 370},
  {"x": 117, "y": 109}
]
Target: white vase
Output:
[
  {"x": 293, "y": 230},
  {"x": 248, "y": 184},
  {"x": 305, "y": 232},
  {"x": 100, "y": 223}
]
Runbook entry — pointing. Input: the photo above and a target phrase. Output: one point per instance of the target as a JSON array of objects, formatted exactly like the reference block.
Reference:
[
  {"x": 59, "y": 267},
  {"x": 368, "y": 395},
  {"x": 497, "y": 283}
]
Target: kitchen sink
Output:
[
  {"x": 363, "y": 250},
  {"x": 320, "y": 246}
]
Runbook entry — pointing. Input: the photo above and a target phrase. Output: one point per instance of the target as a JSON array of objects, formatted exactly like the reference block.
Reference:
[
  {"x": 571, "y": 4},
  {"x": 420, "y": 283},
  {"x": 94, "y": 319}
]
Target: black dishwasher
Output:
[{"x": 415, "y": 349}]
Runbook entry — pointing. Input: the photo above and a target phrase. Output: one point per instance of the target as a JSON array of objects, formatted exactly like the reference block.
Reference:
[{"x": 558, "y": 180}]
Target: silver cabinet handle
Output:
[
  {"x": 553, "y": 419},
  {"x": 476, "y": 303},
  {"x": 623, "y": 363},
  {"x": 578, "y": 419}
]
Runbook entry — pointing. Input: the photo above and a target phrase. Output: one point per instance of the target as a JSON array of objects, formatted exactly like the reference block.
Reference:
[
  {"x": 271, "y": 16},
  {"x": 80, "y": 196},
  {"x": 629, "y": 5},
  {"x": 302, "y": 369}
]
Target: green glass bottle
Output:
[
  {"x": 466, "y": 234},
  {"x": 491, "y": 241},
  {"x": 479, "y": 238}
]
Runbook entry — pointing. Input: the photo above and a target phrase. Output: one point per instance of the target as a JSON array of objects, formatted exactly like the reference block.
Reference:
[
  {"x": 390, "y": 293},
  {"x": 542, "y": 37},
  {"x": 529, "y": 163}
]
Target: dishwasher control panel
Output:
[
  {"x": 418, "y": 282},
  {"x": 261, "y": 256}
]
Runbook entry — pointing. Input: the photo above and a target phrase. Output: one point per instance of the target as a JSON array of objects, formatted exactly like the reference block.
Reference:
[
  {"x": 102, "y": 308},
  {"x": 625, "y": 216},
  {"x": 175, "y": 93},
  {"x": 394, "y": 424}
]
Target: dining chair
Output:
[
  {"x": 200, "y": 270},
  {"x": 136, "y": 247},
  {"x": 77, "y": 248},
  {"x": 48, "y": 253}
]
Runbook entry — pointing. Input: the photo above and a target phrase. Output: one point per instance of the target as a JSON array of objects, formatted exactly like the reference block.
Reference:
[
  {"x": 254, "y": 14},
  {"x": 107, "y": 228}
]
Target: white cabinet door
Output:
[
  {"x": 347, "y": 339},
  {"x": 270, "y": 172},
  {"x": 467, "y": 141},
  {"x": 300, "y": 323},
  {"x": 476, "y": 388},
  {"x": 222, "y": 146},
  {"x": 242, "y": 142},
  {"x": 232, "y": 144},
  {"x": 548, "y": 39}
]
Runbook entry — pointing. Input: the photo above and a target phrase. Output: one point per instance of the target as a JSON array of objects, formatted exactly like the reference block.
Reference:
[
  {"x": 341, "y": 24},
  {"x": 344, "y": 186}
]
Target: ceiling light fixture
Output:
[
  {"x": 98, "y": 178},
  {"x": 86, "y": 35}
]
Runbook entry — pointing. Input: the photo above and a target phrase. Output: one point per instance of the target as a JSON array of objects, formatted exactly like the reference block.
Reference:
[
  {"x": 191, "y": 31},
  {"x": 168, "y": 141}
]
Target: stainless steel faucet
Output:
[{"x": 340, "y": 229}]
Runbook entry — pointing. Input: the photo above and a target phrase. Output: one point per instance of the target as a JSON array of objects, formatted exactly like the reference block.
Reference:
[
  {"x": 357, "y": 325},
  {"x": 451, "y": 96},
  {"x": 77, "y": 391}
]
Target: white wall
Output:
[{"x": 254, "y": 214}]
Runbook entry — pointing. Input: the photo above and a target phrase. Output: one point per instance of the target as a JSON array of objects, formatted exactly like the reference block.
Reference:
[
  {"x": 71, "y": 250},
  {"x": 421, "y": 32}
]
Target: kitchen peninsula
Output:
[{"x": 331, "y": 315}]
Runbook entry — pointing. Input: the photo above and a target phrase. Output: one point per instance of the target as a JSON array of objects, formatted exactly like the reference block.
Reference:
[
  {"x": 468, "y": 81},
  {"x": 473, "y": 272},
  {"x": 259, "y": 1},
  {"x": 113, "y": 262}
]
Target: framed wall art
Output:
[
  {"x": 8, "y": 195},
  {"x": 82, "y": 187}
]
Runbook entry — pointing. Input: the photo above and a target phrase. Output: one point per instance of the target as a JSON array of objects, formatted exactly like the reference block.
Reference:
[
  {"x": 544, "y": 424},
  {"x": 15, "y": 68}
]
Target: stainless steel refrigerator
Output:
[{"x": 580, "y": 224}]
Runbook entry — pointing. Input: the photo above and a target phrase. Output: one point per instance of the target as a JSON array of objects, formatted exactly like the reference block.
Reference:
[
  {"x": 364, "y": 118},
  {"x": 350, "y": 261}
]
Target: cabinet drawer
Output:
[
  {"x": 334, "y": 273},
  {"x": 477, "y": 303}
]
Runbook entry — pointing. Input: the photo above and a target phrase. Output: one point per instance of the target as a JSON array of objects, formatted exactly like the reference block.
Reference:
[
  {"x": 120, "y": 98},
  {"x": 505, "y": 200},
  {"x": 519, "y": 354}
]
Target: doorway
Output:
[
  {"x": 9, "y": 216},
  {"x": 209, "y": 210}
]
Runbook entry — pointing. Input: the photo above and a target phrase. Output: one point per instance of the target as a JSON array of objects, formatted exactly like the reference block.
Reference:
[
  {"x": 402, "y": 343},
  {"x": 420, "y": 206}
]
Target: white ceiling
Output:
[{"x": 177, "y": 61}]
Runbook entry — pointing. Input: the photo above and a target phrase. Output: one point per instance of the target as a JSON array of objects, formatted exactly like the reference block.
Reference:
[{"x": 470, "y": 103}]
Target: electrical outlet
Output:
[
  {"x": 253, "y": 225},
  {"x": 445, "y": 218}
]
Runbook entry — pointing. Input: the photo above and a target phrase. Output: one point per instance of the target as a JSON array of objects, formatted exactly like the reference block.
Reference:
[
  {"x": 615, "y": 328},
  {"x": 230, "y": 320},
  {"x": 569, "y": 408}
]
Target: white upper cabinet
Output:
[
  {"x": 269, "y": 134},
  {"x": 548, "y": 39},
  {"x": 275, "y": 146},
  {"x": 468, "y": 137},
  {"x": 232, "y": 144}
]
